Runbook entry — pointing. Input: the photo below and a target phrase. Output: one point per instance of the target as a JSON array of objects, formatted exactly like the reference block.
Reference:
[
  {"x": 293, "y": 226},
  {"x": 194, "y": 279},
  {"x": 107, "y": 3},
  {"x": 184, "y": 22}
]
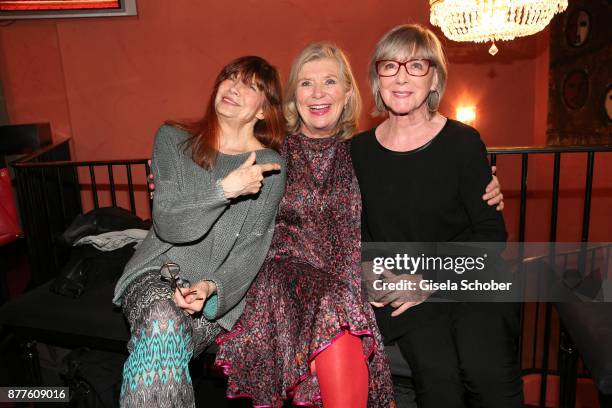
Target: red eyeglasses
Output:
[{"x": 415, "y": 67}]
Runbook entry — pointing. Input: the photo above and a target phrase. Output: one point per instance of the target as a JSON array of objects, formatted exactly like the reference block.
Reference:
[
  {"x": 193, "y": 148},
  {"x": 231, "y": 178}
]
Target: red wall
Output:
[{"x": 110, "y": 82}]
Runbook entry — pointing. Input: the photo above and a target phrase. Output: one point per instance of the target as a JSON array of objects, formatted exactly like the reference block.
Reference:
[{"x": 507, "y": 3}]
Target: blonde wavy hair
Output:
[{"x": 347, "y": 124}]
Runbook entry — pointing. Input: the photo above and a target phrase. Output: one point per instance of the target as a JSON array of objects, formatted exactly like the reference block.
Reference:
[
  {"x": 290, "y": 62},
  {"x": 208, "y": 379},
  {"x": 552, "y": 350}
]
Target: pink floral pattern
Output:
[{"x": 309, "y": 288}]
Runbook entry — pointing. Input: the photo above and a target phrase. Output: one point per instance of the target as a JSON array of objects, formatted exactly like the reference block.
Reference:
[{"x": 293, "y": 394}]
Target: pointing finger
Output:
[{"x": 269, "y": 167}]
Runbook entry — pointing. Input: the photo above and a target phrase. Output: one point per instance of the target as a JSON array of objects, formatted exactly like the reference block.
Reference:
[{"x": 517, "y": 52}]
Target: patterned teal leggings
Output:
[{"x": 163, "y": 341}]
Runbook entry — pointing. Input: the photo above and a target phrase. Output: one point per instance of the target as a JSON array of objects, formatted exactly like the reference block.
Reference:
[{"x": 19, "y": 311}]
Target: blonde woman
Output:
[{"x": 307, "y": 333}]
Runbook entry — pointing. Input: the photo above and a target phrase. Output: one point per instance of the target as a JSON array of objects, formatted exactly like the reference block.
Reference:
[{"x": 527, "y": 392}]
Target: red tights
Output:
[{"x": 342, "y": 373}]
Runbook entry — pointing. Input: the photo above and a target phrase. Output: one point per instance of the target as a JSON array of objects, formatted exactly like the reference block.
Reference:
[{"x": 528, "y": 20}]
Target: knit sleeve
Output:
[
  {"x": 237, "y": 273},
  {"x": 180, "y": 215},
  {"x": 486, "y": 223}
]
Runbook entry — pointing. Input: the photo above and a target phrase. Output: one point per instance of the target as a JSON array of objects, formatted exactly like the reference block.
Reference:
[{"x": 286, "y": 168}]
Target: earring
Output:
[{"x": 433, "y": 100}]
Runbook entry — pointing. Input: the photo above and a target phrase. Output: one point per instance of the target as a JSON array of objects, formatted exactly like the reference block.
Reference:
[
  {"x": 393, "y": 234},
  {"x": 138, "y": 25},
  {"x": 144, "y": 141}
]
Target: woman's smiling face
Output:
[
  {"x": 404, "y": 93},
  {"x": 239, "y": 101},
  {"x": 320, "y": 98}
]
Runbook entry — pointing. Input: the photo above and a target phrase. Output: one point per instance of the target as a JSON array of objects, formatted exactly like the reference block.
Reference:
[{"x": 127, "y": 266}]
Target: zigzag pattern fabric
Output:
[
  {"x": 162, "y": 354},
  {"x": 164, "y": 339}
]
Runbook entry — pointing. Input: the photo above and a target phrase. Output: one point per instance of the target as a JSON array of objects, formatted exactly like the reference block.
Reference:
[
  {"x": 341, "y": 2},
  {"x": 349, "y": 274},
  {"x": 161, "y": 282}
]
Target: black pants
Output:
[{"x": 465, "y": 356}]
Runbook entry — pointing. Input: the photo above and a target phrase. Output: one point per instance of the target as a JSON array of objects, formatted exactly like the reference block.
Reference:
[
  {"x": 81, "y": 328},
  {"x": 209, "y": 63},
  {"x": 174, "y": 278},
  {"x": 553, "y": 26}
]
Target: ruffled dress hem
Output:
[{"x": 226, "y": 366}]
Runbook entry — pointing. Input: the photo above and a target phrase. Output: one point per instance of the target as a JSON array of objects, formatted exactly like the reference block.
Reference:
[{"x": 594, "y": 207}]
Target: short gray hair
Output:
[
  {"x": 412, "y": 41},
  {"x": 347, "y": 124}
]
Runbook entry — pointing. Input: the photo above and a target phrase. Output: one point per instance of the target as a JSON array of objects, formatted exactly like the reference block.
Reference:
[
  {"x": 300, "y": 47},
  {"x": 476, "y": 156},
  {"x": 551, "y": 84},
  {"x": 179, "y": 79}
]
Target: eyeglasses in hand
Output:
[{"x": 170, "y": 273}]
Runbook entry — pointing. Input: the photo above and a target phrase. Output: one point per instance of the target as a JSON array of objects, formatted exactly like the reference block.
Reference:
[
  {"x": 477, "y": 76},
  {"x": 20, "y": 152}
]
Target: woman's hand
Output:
[
  {"x": 401, "y": 300},
  {"x": 192, "y": 299},
  {"x": 399, "y": 306},
  {"x": 493, "y": 194},
  {"x": 247, "y": 178}
]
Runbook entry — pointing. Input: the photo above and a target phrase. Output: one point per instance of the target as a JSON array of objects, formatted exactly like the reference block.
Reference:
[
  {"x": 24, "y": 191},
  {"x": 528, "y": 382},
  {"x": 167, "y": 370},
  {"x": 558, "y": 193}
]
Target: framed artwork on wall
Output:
[
  {"x": 578, "y": 27},
  {"x": 576, "y": 89},
  {"x": 29, "y": 9},
  {"x": 580, "y": 75}
]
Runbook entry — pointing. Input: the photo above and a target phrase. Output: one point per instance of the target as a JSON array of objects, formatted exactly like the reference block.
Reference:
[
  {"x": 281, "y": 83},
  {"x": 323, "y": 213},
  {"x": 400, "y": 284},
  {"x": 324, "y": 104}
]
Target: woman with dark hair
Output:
[{"x": 218, "y": 185}]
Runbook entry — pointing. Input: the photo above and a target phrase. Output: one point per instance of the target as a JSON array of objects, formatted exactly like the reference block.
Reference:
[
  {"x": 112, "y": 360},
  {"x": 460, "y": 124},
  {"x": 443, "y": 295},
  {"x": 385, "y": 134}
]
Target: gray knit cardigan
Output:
[{"x": 207, "y": 235}]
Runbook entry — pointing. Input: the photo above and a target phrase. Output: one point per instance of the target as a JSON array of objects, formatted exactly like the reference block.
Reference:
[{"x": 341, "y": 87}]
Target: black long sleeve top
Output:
[{"x": 430, "y": 194}]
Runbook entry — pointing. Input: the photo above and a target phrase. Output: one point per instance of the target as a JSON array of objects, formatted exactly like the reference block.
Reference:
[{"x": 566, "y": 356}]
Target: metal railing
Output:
[
  {"x": 50, "y": 193},
  {"x": 50, "y": 189},
  {"x": 568, "y": 385}
]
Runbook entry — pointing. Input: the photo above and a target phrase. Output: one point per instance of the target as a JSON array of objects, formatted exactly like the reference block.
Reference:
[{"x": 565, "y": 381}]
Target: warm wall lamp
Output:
[{"x": 467, "y": 115}]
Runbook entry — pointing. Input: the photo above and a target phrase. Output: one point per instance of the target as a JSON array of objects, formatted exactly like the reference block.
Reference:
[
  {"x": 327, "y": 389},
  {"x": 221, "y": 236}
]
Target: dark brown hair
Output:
[{"x": 270, "y": 131}]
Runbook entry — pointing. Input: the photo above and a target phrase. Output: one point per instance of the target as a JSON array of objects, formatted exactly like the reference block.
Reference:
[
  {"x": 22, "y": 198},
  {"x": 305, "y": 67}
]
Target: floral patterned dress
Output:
[{"x": 309, "y": 289}]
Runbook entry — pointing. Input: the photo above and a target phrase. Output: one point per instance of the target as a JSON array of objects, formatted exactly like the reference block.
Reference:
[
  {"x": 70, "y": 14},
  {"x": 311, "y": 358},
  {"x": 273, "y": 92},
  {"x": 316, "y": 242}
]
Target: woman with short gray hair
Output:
[
  {"x": 421, "y": 177},
  {"x": 429, "y": 49}
]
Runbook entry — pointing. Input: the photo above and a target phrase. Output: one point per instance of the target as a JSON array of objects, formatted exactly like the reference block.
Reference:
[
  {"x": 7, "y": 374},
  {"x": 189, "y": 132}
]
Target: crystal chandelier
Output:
[{"x": 491, "y": 20}]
